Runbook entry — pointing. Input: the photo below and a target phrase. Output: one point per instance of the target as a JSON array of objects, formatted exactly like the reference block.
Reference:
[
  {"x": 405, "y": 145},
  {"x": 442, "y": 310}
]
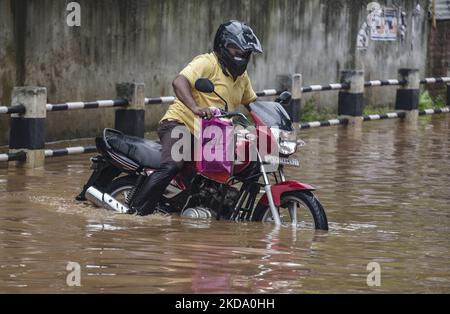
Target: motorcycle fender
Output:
[
  {"x": 288, "y": 186},
  {"x": 102, "y": 175}
]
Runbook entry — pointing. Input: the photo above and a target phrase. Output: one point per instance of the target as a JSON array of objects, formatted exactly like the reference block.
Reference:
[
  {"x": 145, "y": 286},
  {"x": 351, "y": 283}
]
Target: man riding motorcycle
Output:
[{"x": 226, "y": 68}]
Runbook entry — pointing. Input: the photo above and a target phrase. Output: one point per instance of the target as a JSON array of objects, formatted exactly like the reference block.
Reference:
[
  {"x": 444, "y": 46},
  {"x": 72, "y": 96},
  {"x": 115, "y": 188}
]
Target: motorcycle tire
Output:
[
  {"x": 121, "y": 185},
  {"x": 306, "y": 199}
]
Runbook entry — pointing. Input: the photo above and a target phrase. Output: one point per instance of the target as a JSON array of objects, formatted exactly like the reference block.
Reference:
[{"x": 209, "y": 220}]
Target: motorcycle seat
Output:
[{"x": 145, "y": 152}]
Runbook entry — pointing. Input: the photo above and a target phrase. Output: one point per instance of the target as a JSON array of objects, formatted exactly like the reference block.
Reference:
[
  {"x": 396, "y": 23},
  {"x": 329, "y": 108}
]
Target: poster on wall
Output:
[{"x": 384, "y": 25}]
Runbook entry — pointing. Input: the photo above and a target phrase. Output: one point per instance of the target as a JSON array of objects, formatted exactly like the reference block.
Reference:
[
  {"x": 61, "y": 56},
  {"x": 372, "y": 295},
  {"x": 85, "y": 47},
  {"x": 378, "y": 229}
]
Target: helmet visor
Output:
[{"x": 237, "y": 52}]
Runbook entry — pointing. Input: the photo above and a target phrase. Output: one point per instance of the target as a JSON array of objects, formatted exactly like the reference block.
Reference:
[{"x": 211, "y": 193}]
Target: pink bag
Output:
[{"x": 217, "y": 146}]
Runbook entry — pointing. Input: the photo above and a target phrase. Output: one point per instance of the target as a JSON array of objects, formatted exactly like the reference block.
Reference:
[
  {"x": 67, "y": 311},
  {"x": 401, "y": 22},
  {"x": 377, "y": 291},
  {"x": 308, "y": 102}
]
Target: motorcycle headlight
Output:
[{"x": 287, "y": 142}]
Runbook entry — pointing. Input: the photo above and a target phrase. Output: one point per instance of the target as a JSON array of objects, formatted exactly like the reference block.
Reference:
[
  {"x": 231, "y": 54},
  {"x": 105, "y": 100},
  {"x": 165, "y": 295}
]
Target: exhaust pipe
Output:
[{"x": 105, "y": 200}]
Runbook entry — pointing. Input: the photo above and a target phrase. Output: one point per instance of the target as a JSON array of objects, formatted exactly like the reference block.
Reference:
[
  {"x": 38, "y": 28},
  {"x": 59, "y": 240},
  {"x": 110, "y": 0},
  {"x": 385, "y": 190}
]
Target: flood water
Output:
[{"x": 385, "y": 191}]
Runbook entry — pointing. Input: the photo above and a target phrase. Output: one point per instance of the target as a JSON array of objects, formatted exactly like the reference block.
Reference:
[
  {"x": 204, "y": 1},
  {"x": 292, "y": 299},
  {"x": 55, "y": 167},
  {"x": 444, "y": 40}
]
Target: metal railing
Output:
[{"x": 350, "y": 89}]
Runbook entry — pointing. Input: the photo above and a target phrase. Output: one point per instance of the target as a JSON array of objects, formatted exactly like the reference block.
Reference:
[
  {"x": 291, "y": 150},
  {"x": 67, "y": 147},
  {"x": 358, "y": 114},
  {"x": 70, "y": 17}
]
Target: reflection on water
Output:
[{"x": 385, "y": 192}]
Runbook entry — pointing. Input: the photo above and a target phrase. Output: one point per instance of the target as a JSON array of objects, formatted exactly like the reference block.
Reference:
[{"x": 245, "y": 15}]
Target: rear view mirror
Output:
[
  {"x": 284, "y": 98},
  {"x": 204, "y": 85}
]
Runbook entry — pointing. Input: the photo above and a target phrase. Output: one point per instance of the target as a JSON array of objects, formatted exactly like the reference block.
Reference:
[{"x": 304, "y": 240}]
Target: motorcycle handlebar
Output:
[
  {"x": 234, "y": 114},
  {"x": 227, "y": 115}
]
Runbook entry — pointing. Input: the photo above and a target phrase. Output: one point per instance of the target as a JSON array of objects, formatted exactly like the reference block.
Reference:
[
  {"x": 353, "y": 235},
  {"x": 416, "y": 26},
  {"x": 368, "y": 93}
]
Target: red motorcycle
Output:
[{"x": 255, "y": 190}]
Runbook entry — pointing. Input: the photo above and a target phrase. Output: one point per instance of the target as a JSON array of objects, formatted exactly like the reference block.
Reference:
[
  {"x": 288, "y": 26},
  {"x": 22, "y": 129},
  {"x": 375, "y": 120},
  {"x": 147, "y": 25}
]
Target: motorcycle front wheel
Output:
[{"x": 299, "y": 206}]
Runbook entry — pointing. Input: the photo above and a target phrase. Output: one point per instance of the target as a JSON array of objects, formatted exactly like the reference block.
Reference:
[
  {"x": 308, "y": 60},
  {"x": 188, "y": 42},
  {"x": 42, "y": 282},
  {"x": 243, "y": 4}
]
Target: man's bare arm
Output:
[{"x": 182, "y": 89}]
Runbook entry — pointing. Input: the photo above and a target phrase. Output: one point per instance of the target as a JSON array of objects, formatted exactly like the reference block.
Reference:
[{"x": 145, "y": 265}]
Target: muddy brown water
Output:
[{"x": 385, "y": 191}]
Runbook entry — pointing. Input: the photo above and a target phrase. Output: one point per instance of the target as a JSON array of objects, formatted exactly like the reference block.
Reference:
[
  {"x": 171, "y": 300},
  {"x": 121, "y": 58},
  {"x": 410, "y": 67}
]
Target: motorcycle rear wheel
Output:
[
  {"x": 310, "y": 213},
  {"x": 121, "y": 187}
]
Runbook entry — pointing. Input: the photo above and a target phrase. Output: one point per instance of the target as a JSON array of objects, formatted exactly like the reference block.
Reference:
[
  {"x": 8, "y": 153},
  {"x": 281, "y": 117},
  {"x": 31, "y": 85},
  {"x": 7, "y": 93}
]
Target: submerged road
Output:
[{"x": 385, "y": 191}]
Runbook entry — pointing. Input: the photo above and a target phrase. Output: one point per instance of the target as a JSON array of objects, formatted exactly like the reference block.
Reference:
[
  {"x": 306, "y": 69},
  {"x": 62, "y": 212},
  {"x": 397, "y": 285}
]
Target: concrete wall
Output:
[
  {"x": 150, "y": 41},
  {"x": 7, "y": 63},
  {"x": 439, "y": 53}
]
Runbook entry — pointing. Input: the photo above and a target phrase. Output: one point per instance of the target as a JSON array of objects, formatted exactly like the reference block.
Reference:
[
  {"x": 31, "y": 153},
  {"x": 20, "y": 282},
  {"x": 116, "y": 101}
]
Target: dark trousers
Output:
[{"x": 154, "y": 186}]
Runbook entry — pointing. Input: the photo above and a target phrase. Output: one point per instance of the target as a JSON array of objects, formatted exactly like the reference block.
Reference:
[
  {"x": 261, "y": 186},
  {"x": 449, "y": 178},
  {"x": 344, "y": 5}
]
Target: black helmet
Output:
[{"x": 239, "y": 35}]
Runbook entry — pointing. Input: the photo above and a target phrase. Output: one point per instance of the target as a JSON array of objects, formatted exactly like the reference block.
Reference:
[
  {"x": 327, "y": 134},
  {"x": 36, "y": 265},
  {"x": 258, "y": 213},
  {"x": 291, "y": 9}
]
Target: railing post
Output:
[
  {"x": 131, "y": 120},
  {"x": 408, "y": 95},
  {"x": 448, "y": 87},
  {"x": 27, "y": 131},
  {"x": 296, "y": 102},
  {"x": 293, "y": 84},
  {"x": 351, "y": 101}
]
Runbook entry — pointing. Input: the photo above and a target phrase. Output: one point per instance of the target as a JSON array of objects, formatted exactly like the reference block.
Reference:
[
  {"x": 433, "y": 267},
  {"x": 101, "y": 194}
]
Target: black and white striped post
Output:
[
  {"x": 18, "y": 156},
  {"x": 407, "y": 98},
  {"x": 87, "y": 105},
  {"x": 70, "y": 151},
  {"x": 292, "y": 83},
  {"x": 131, "y": 120},
  {"x": 351, "y": 101},
  {"x": 27, "y": 130}
]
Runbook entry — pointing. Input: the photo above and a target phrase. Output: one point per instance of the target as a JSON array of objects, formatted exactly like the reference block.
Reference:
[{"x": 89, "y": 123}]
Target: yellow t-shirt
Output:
[{"x": 234, "y": 92}]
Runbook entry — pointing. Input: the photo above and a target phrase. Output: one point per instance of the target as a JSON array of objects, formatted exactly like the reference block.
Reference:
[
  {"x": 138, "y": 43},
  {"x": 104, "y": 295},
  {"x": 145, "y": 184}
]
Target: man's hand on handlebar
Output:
[
  {"x": 203, "y": 112},
  {"x": 208, "y": 113}
]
